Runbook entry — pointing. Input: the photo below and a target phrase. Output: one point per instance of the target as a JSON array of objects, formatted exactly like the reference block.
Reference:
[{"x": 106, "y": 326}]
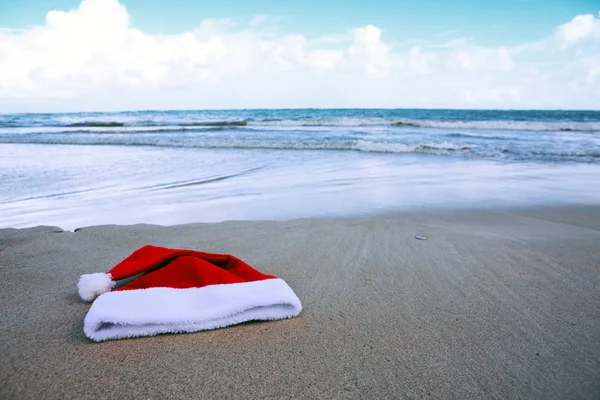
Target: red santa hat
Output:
[{"x": 181, "y": 291}]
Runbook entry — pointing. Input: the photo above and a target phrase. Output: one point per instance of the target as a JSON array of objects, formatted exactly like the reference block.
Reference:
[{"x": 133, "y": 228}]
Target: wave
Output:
[
  {"x": 340, "y": 144},
  {"x": 457, "y": 148},
  {"x": 469, "y": 136},
  {"x": 123, "y": 130},
  {"x": 327, "y": 122},
  {"x": 215, "y": 123},
  {"x": 115, "y": 124},
  {"x": 139, "y": 124},
  {"x": 440, "y": 124},
  {"x": 553, "y": 155},
  {"x": 401, "y": 123},
  {"x": 502, "y": 125},
  {"x": 96, "y": 124},
  {"x": 349, "y": 122},
  {"x": 444, "y": 148}
]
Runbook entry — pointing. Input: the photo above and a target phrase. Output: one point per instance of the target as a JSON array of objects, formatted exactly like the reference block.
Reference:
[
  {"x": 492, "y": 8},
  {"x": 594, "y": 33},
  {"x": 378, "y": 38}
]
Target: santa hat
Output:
[{"x": 181, "y": 291}]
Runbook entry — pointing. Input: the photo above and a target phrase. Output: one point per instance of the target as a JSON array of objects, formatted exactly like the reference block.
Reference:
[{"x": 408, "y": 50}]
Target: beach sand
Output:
[{"x": 494, "y": 304}]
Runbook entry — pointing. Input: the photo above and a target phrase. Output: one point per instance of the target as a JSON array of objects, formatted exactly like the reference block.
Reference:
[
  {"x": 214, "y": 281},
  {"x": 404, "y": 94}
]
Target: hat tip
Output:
[{"x": 93, "y": 285}]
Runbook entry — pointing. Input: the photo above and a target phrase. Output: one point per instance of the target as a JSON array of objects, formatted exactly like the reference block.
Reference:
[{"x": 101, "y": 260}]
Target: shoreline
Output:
[
  {"x": 85, "y": 185},
  {"x": 494, "y": 303},
  {"x": 584, "y": 215}
]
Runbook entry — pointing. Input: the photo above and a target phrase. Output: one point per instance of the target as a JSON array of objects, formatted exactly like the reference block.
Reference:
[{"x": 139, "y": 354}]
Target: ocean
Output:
[{"x": 171, "y": 167}]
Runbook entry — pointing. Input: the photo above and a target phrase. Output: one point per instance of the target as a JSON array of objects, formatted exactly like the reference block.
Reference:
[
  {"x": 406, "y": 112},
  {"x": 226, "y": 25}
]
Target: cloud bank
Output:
[{"x": 92, "y": 58}]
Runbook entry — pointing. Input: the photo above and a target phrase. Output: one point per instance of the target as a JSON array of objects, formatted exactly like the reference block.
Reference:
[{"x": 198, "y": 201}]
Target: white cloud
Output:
[
  {"x": 495, "y": 93},
  {"x": 368, "y": 49},
  {"x": 92, "y": 58},
  {"x": 579, "y": 28},
  {"x": 419, "y": 62},
  {"x": 475, "y": 58}
]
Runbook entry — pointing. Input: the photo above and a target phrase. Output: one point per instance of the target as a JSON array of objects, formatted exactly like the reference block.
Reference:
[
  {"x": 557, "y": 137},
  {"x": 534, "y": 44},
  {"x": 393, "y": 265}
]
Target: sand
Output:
[{"x": 494, "y": 304}]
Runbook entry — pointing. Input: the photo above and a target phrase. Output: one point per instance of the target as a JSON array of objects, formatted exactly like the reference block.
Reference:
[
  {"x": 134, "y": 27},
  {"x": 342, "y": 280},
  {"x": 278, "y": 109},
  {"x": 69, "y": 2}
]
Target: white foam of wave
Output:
[
  {"x": 510, "y": 152},
  {"x": 501, "y": 125},
  {"x": 100, "y": 129},
  {"x": 215, "y": 143},
  {"x": 134, "y": 125},
  {"x": 430, "y": 147},
  {"x": 443, "y": 124},
  {"x": 344, "y": 121},
  {"x": 380, "y": 147}
]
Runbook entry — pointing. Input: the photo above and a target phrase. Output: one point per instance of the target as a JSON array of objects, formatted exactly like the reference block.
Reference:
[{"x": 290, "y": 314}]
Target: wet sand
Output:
[{"x": 494, "y": 304}]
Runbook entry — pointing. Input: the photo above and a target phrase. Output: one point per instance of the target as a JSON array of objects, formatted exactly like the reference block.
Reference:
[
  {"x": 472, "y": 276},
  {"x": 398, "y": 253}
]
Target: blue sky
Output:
[
  {"x": 94, "y": 55},
  {"x": 488, "y": 22}
]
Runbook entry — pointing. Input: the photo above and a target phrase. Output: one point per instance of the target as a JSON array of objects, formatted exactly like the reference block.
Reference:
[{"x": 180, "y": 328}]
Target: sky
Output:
[{"x": 105, "y": 55}]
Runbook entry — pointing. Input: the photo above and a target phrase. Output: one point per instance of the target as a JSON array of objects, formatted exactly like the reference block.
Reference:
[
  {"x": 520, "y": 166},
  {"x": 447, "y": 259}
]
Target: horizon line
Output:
[{"x": 304, "y": 108}]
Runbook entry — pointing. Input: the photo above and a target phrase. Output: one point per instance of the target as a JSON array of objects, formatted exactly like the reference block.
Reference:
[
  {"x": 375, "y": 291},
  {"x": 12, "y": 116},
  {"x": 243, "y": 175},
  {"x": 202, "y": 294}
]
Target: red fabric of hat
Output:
[{"x": 181, "y": 291}]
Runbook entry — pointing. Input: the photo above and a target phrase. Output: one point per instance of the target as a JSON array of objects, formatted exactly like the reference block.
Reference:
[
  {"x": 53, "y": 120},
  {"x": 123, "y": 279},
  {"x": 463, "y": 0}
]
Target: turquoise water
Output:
[
  {"x": 547, "y": 136},
  {"x": 171, "y": 167}
]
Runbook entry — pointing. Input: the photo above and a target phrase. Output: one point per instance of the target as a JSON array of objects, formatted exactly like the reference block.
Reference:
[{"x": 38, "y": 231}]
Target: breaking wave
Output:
[
  {"x": 341, "y": 144},
  {"x": 96, "y": 124},
  {"x": 500, "y": 125},
  {"x": 491, "y": 134},
  {"x": 215, "y": 123},
  {"x": 495, "y": 150},
  {"x": 444, "y": 148},
  {"x": 439, "y": 124}
]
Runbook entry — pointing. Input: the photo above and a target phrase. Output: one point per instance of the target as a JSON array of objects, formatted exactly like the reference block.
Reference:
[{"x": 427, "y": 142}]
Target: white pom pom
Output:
[{"x": 93, "y": 285}]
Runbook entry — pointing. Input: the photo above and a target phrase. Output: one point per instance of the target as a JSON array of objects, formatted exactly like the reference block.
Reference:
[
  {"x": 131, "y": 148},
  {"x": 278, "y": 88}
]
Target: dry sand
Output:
[{"x": 496, "y": 304}]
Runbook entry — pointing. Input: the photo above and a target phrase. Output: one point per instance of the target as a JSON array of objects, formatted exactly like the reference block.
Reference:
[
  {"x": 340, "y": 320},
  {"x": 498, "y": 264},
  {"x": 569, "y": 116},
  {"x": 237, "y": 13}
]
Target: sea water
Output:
[{"x": 171, "y": 167}]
